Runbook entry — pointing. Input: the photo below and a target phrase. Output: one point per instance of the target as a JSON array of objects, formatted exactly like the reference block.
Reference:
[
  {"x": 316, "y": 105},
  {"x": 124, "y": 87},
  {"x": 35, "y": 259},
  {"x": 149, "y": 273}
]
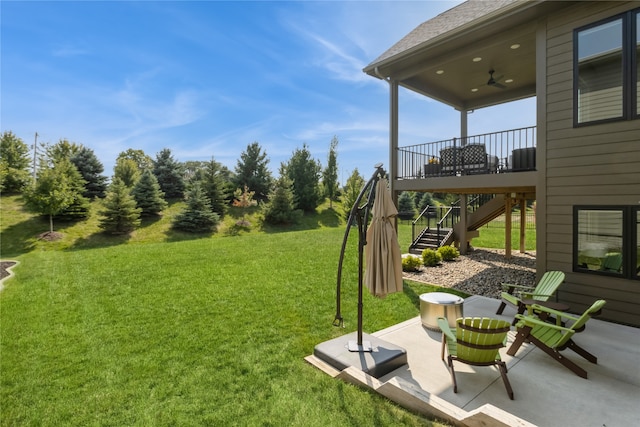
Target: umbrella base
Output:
[
  {"x": 365, "y": 346},
  {"x": 383, "y": 357}
]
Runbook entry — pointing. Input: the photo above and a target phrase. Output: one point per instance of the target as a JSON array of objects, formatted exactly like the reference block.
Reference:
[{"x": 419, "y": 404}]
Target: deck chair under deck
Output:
[
  {"x": 514, "y": 294},
  {"x": 553, "y": 338},
  {"x": 475, "y": 341}
]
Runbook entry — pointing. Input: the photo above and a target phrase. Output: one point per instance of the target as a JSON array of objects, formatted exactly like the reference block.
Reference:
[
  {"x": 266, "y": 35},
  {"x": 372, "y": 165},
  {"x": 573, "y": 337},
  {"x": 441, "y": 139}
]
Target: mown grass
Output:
[{"x": 168, "y": 329}]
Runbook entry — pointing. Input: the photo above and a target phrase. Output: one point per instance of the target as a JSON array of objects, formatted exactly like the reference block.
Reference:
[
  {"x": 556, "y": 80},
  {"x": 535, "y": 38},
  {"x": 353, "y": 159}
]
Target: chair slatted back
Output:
[
  {"x": 479, "y": 339},
  {"x": 548, "y": 284},
  {"x": 612, "y": 262}
]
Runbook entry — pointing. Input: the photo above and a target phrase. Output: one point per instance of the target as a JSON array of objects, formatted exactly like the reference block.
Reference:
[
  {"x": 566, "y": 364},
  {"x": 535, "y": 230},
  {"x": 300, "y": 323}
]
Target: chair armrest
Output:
[
  {"x": 560, "y": 315},
  {"x": 443, "y": 324},
  {"x": 534, "y": 321},
  {"x": 509, "y": 287}
]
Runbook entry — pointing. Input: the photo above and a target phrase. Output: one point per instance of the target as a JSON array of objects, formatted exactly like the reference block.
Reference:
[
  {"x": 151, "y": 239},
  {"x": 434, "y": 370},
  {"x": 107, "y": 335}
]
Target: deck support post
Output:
[
  {"x": 523, "y": 224},
  {"x": 464, "y": 241},
  {"x": 507, "y": 225}
]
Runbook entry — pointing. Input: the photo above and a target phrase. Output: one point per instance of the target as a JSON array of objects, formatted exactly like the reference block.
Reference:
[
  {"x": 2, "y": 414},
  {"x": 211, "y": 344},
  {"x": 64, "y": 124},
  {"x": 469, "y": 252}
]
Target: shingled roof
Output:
[{"x": 459, "y": 16}]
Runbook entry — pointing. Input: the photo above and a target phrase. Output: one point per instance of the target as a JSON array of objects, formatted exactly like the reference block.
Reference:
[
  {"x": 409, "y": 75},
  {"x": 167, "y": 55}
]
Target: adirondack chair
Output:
[
  {"x": 553, "y": 338},
  {"x": 612, "y": 262},
  {"x": 514, "y": 294},
  {"x": 475, "y": 341}
]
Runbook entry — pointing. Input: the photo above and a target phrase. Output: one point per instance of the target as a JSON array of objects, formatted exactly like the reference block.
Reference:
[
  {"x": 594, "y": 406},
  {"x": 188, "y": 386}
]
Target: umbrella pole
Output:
[
  {"x": 359, "y": 345},
  {"x": 353, "y": 217}
]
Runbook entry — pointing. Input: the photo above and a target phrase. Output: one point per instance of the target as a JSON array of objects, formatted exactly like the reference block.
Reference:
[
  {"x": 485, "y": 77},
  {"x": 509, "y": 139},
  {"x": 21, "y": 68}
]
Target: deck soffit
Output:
[{"x": 443, "y": 68}]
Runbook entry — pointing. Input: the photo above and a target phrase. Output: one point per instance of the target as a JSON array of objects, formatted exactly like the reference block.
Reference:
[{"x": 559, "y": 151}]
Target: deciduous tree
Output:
[
  {"x": 352, "y": 189},
  {"x": 127, "y": 171},
  {"x": 14, "y": 163},
  {"x": 53, "y": 192}
]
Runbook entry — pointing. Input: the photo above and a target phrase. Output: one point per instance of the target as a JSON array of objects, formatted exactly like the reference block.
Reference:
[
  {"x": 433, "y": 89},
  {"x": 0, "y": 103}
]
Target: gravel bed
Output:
[{"x": 481, "y": 272}]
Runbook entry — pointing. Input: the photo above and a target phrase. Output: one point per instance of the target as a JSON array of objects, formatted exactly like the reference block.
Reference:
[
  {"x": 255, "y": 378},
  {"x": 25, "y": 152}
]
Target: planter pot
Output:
[{"x": 432, "y": 169}]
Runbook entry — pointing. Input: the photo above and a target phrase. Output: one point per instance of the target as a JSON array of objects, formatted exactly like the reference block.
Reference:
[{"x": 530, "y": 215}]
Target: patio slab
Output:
[{"x": 609, "y": 397}]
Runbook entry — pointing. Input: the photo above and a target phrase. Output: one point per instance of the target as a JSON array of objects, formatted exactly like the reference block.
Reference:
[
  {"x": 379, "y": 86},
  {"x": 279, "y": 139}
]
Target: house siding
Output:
[{"x": 589, "y": 165}]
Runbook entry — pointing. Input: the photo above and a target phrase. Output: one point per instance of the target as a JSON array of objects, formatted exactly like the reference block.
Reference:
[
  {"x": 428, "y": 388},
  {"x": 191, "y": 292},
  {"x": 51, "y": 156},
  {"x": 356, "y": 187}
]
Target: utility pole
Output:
[{"x": 35, "y": 150}]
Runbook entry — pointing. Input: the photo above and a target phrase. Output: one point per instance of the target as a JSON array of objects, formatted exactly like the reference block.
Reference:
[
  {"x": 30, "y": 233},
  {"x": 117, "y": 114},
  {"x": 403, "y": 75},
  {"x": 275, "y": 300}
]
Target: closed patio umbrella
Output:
[{"x": 383, "y": 271}]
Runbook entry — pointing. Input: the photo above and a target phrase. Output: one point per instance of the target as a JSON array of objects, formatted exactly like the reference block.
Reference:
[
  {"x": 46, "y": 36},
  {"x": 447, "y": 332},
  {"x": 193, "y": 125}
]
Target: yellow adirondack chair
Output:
[{"x": 475, "y": 341}]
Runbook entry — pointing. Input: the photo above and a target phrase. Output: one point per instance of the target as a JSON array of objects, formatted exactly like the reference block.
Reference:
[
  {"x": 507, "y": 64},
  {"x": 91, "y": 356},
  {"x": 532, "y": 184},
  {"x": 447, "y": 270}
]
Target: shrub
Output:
[
  {"x": 411, "y": 263},
  {"x": 431, "y": 258},
  {"x": 448, "y": 253}
]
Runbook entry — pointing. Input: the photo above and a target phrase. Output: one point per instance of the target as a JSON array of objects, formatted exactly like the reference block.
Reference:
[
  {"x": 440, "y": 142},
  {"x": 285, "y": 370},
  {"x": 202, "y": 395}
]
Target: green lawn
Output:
[{"x": 161, "y": 328}]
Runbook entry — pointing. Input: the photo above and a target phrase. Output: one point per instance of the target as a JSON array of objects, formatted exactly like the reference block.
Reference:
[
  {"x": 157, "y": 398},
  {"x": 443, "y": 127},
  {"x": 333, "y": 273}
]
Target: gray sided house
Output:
[{"x": 580, "y": 160}]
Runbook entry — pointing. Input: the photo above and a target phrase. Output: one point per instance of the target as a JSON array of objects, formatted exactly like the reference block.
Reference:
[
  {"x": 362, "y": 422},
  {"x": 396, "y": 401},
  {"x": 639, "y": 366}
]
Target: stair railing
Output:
[{"x": 427, "y": 213}]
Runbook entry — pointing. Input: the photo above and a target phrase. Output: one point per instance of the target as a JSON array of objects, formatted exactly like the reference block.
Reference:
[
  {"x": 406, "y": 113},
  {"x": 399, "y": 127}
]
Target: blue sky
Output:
[{"x": 207, "y": 78}]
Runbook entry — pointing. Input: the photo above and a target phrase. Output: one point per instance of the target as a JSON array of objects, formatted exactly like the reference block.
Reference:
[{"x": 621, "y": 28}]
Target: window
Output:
[
  {"x": 606, "y": 74},
  {"x": 606, "y": 240}
]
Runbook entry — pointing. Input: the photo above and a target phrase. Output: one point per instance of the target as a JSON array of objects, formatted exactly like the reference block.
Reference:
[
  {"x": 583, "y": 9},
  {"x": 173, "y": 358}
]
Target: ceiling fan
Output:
[{"x": 495, "y": 82}]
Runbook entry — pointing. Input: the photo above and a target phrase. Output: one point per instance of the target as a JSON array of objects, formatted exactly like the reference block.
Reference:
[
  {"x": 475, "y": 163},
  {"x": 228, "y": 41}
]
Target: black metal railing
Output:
[
  {"x": 436, "y": 219},
  {"x": 497, "y": 152}
]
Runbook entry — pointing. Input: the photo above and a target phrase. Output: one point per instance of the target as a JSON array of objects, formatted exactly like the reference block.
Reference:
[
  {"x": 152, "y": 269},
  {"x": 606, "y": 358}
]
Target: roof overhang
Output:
[{"x": 446, "y": 67}]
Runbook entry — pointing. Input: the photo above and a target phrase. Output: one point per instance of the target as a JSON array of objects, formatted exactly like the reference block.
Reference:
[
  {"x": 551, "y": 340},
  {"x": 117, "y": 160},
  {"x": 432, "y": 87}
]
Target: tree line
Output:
[{"x": 68, "y": 176}]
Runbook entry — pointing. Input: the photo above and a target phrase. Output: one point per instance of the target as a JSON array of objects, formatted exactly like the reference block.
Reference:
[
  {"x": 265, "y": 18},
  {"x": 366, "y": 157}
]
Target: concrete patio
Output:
[{"x": 546, "y": 393}]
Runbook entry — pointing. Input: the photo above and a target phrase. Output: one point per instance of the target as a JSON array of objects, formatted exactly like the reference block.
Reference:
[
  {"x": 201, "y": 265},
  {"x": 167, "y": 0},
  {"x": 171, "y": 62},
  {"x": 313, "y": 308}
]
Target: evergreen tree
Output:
[
  {"x": 214, "y": 187},
  {"x": 91, "y": 170},
  {"x": 148, "y": 196},
  {"x": 425, "y": 200},
  {"x": 197, "y": 216},
  {"x": 126, "y": 170},
  {"x": 280, "y": 209},
  {"x": 80, "y": 206},
  {"x": 120, "y": 214},
  {"x": 304, "y": 172},
  {"x": 352, "y": 189},
  {"x": 252, "y": 170},
  {"x": 406, "y": 206},
  {"x": 330, "y": 173},
  {"x": 170, "y": 174},
  {"x": 14, "y": 163},
  {"x": 53, "y": 192}
]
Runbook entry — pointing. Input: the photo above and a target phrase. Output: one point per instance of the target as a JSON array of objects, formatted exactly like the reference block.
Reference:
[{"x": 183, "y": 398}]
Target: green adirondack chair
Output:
[
  {"x": 475, "y": 341},
  {"x": 514, "y": 294},
  {"x": 553, "y": 338}
]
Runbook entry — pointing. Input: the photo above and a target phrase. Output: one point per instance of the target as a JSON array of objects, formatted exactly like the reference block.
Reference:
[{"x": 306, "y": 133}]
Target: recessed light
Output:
[
  {"x": 477, "y": 59},
  {"x": 509, "y": 81},
  {"x": 515, "y": 46},
  {"x": 440, "y": 72},
  {"x": 475, "y": 89}
]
